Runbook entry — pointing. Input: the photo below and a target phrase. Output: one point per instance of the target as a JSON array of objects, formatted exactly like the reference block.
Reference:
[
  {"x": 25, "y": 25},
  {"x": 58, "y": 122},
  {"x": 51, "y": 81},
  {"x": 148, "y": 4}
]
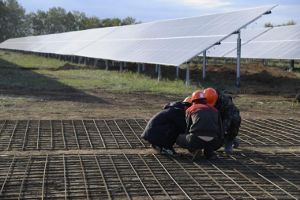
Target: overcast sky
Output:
[{"x": 155, "y": 10}]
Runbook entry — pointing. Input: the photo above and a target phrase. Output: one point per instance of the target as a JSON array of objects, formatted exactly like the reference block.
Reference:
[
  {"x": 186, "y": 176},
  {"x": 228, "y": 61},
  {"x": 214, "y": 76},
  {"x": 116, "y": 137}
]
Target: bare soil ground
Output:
[{"x": 265, "y": 92}]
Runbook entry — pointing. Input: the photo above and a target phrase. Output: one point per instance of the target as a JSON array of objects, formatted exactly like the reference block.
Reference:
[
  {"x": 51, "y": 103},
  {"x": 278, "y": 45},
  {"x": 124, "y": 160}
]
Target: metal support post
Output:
[
  {"x": 121, "y": 67},
  {"x": 187, "y": 82},
  {"x": 139, "y": 68},
  {"x": 79, "y": 60},
  {"x": 156, "y": 68},
  {"x": 159, "y": 73},
  {"x": 266, "y": 62},
  {"x": 238, "y": 63},
  {"x": 143, "y": 66},
  {"x": 292, "y": 65},
  {"x": 204, "y": 65},
  {"x": 106, "y": 65},
  {"x": 177, "y": 71}
]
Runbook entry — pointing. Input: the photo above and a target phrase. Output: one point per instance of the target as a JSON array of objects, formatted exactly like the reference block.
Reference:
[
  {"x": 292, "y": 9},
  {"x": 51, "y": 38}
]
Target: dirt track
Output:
[{"x": 261, "y": 95}]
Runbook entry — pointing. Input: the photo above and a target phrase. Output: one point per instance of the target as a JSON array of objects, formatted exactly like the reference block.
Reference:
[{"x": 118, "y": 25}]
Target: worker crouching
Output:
[
  {"x": 204, "y": 128},
  {"x": 163, "y": 128}
]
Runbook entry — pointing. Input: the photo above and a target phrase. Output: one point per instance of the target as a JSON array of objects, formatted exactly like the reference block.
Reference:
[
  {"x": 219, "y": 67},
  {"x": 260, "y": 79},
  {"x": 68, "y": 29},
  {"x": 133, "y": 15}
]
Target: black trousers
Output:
[
  {"x": 192, "y": 143},
  {"x": 234, "y": 128}
]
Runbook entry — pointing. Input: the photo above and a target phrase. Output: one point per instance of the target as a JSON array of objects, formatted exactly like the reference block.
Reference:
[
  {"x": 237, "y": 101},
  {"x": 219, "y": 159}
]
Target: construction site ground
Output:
[{"x": 75, "y": 144}]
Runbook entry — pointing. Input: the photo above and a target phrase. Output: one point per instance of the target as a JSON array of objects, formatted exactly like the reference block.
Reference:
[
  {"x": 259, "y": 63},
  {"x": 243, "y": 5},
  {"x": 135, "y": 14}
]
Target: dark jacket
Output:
[
  {"x": 164, "y": 127},
  {"x": 204, "y": 120},
  {"x": 227, "y": 109}
]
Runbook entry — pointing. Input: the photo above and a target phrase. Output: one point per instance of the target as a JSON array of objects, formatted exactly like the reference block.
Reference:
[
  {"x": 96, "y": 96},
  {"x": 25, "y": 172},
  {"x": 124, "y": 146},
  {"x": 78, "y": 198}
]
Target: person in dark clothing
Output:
[
  {"x": 230, "y": 115},
  {"x": 204, "y": 128},
  {"x": 163, "y": 128}
]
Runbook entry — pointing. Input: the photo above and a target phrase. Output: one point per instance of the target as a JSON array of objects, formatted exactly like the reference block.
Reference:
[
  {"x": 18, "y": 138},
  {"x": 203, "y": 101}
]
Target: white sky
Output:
[{"x": 155, "y": 10}]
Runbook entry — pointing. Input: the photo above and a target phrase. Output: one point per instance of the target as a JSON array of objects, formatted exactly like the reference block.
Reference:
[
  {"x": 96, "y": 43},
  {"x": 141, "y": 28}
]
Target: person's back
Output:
[
  {"x": 230, "y": 116},
  {"x": 203, "y": 120},
  {"x": 163, "y": 128},
  {"x": 203, "y": 127}
]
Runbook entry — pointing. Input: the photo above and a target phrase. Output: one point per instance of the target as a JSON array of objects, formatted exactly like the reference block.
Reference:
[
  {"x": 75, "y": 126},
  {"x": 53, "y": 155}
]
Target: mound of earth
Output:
[{"x": 256, "y": 78}]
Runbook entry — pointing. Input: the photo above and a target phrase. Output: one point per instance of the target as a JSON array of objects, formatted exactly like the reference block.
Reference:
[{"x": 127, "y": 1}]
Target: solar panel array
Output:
[
  {"x": 267, "y": 43},
  {"x": 170, "y": 42}
]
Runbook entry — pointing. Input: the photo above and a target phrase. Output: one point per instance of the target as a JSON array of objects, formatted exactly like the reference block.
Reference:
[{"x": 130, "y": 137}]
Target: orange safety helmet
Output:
[
  {"x": 211, "y": 95},
  {"x": 188, "y": 99},
  {"x": 198, "y": 95}
]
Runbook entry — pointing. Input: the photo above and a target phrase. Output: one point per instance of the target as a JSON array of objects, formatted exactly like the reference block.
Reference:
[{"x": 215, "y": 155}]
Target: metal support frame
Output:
[
  {"x": 187, "y": 82},
  {"x": 106, "y": 64},
  {"x": 238, "y": 63},
  {"x": 139, "y": 68},
  {"x": 121, "y": 67},
  {"x": 143, "y": 67},
  {"x": 159, "y": 73},
  {"x": 156, "y": 68},
  {"x": 177, "y": 71},
  {"x": 204, "y": 65},
  {"x": 292, "y": 65}
]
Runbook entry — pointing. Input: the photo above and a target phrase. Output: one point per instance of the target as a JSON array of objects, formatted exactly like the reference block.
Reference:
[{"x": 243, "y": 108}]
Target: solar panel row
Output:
[
  {"x": 170, "y": 42},
  {"x": 266, "y": 43}
]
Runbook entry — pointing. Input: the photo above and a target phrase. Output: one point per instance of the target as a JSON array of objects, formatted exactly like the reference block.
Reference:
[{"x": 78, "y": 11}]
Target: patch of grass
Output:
[
  {"x": 12, "y": 59},
  {"x": 43, "y": 79},
  {"x": 115, "y": 81},
  {"x": 297, "y": 73}
]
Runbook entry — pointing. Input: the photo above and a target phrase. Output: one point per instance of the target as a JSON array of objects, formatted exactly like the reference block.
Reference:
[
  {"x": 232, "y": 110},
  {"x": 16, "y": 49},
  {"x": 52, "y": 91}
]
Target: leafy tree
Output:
[
  {"x": 56, "y": 20},
  {"x": 291, "y": 22},
  {"x": 267, "y": 25},
  {"x": 79, "y": 20},
  {"x": 107, "y": 22},
  {"x": 3, "y": 21},
  {"x": 129, "y": 21},
  {"x": 91, "y": 22},
  {"x": 70, "y": 22},
  {"x": 15, "y": 20}
]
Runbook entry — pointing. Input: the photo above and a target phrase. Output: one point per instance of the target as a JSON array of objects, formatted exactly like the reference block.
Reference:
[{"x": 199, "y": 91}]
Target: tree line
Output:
[
  {"x": 15, "y": 22},
  {"x": 290, "y": 23}
]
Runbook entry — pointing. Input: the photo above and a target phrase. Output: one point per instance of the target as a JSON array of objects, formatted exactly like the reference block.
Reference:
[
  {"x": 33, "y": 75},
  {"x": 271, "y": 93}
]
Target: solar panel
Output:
[
  {"x": 169, "y": 42},
  {"x": 230, "y": 44},
  {"x": 273, "y": 43}
]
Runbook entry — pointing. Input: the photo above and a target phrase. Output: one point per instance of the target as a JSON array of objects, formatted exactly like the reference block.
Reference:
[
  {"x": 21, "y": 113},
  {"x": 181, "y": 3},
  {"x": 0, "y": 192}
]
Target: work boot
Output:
[
  {"x": 210, "y": 154},
  {"x": 170, "y": 151},
  {"x": 197, "y": 155},
  {"x": 228, "y": 146},
  {"x": 156, "y": 148},
  {"x": 236, "y": 143}
]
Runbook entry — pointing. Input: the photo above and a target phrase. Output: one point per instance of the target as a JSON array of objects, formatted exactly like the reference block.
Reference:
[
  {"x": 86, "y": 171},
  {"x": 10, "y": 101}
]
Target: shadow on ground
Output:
[{"x": 25, "y": 82}]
